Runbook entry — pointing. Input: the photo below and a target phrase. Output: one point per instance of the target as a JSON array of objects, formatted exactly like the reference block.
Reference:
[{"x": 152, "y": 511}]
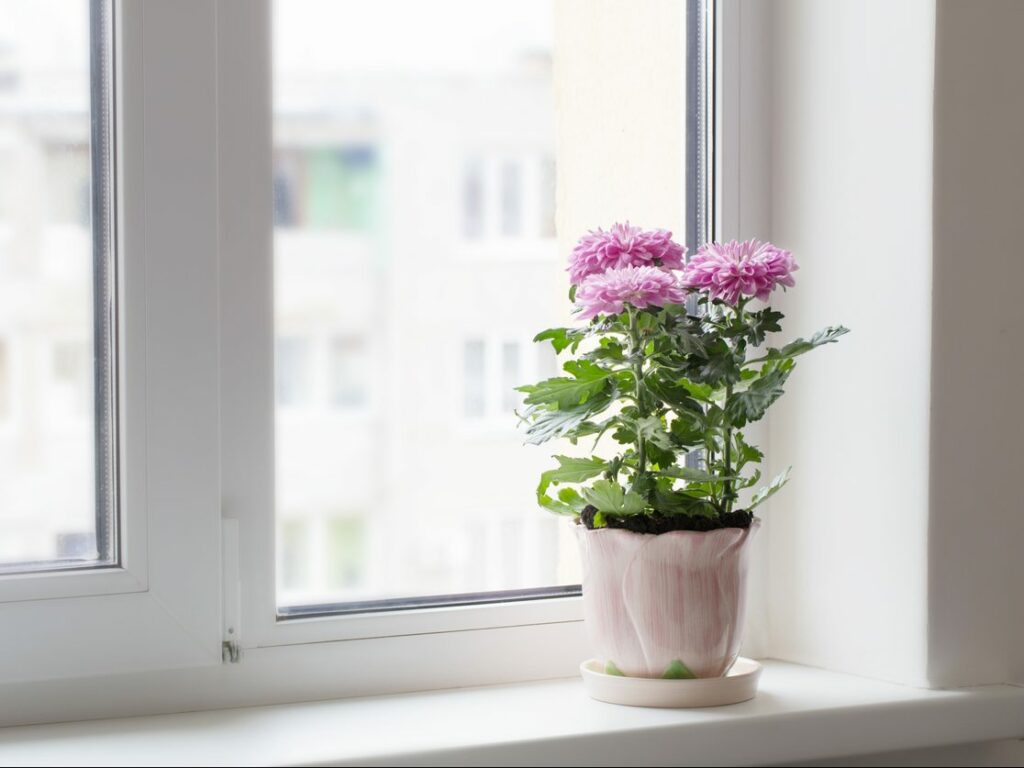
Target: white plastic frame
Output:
[{"x": 161, "y": 606}]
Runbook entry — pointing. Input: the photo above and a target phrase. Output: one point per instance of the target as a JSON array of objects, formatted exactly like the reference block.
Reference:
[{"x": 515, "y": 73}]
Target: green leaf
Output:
[
  {"x": 752, "y": 403},
  {"x": 749, "y": 481},
  {"x": 692, "y": 475},
  {"x": 697, "y": 391},
  {"x": 572, "y": 470},
  {"x": 678, "y": 671},
  {"x": 718, "y": 366},
  {"x": 685, "y": 503},
  {"x": 802, "y": 346},
  {"x": 588, "y": 380},
  {"x": 686, "y": 431},
  {"x": 608, "y": 349},
  {"x": 761, "y": 323},
  {"x": 771, "y": 489},
  {"x": 671, "y": 392},
  {"x": 562, "y": 338},
  {"x": 611, "y": 499},
  {"x": 651, "y": 429},
  {"x": 547, "y": 421},
  {"x": 745, "y": 453}
]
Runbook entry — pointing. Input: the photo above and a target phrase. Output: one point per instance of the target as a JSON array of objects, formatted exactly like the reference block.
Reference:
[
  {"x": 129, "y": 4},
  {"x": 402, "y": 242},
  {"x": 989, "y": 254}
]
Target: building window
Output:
[
  {"x": 294, "y": 371},
  {"x": 474, "y": 378},
  {"x": 68, "y": 184},
  {"x": 327, "y": 187},
  {"x": 295, "y": 553},
  {"x": 347, "y": 552},
  {"x": 72, "y": 368},
  {"x": 511, "y": 199},
  {"x": 473, "y": 200},
  {"x": 349, "y": 372}
]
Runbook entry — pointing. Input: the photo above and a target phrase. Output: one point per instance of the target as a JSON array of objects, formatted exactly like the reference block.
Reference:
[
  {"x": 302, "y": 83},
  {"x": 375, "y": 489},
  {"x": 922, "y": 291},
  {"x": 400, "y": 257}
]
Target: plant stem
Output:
[
  {"x": 728, "y": 424},
  {"x": 636, "y": 352},
  {"x": 728, "y": 453}
]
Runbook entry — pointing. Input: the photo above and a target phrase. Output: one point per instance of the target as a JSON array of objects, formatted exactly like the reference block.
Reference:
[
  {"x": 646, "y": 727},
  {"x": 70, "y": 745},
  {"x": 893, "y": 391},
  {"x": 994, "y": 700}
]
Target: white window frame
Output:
[
  {"x": 198, "y": 514},
  {"x": 149, "y": 611}
]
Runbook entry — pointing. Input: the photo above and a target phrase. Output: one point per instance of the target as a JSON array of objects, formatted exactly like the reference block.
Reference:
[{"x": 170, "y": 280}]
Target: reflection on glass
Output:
[
  {"x": 48, "y": 506},
  {"x": 415, "y": 259}
]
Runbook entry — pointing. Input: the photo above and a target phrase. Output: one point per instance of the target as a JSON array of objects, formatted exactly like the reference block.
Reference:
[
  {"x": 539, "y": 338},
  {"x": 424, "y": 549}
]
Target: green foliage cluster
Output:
[{"x": 662, "y": 384}]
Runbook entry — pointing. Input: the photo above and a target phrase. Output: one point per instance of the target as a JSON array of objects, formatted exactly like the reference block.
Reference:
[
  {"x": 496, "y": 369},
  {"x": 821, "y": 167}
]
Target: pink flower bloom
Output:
[
  {"x": 623, "y": 246},
  {"x": 730, "y": 270},
  {"x": 608, "y": 293}
]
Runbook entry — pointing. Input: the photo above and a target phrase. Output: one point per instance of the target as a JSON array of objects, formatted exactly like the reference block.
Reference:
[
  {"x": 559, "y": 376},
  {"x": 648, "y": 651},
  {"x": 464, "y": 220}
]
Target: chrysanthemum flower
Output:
[
  {"x": 623, "y": 246},
  {"x": 730, "y": 270},
  {"x": 608, "y": 293}
]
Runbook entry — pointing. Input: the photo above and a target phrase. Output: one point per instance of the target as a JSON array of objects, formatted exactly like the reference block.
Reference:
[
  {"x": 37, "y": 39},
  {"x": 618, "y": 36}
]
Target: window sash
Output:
[{"x": 149, "y": 611}]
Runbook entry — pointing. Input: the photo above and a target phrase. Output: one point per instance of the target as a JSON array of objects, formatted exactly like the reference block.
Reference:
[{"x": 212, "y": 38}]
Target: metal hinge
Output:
[{"x": 231, "y": 608}]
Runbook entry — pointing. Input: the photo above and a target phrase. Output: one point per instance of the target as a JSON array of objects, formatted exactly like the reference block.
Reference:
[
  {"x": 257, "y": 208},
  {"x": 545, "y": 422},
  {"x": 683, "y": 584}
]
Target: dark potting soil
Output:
[{"x": 657, "y": 523}]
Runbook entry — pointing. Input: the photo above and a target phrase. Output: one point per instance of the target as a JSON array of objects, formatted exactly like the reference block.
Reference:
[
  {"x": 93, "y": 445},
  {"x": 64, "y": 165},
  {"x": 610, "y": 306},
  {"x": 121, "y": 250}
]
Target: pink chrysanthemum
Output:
[
  {"x": 623, "y": 246},
  {"x": 608, "y": 293},
  {"x": 730, "y": 270}
]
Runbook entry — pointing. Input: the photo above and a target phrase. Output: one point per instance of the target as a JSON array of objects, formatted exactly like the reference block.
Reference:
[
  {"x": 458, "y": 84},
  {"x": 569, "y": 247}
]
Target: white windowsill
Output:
[{"x": 800, "y": 714}]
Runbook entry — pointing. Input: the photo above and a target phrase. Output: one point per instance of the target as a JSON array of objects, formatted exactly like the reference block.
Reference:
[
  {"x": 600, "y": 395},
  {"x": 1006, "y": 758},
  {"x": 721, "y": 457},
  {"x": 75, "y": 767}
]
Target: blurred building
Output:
[{"x": 414, "y": 261}]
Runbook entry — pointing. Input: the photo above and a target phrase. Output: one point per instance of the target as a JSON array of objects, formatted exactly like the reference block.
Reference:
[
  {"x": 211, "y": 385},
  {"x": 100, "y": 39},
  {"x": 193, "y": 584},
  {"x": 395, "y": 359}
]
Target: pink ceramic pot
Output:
[{"x": 650, "y": 601}]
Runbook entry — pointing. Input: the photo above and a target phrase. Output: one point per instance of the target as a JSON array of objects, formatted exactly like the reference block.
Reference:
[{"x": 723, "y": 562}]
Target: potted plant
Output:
[{"x": 671, "y": 365}]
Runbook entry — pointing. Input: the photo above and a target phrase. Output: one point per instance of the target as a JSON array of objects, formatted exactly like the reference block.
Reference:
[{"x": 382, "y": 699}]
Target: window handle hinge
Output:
[
  {"x": 231, "y": 593},
  {"x": 230, "y": 652}
]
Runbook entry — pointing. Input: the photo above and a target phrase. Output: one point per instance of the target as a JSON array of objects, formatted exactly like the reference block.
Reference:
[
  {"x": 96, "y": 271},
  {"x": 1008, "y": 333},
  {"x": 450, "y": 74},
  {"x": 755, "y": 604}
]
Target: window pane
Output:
[
  {"x": 415, "y": 252},
  {"x": 57, "y": 483}
]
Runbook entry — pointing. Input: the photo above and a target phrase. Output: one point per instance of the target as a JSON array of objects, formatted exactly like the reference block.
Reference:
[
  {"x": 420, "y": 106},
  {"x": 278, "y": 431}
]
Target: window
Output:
[
  {"x": 509, "y": 197},
  {"x": 369, "y": 126},
  {"x": 474, "y": 379},
  {"x": 350, "y": 372},
  {"x": 58, "y": 498},
  {"x": 306, "y": 446},
  {"x": 294, "y": 371}
]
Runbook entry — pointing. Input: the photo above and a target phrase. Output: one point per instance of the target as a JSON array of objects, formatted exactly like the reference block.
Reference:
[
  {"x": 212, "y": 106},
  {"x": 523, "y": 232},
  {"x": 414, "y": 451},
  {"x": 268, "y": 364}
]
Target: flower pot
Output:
[{"x": 667, "y": 605}]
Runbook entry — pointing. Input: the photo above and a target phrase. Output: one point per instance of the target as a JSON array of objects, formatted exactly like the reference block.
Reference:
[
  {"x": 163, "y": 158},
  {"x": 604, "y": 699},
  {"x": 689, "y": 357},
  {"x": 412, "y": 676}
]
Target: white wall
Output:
[
  {"x": 898, "y": 180},
  {"x": 976, "y": 571},
  {"x": 851, "y": 164}
]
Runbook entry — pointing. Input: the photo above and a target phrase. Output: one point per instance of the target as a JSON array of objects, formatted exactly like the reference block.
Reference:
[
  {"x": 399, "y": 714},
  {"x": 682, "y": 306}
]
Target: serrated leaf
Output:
[
  {"x": 698, "y": 391},
  {"x": 683, "y": 502},
  {"x": 651, "y": 429},
  {"x": 547, "y": 421},
  {"x": 752, "y": 403},
  {"x": 672, "y": 392},
  {"x": 588, "y": 380},
  {"x": 802, "y": 346},
  {"x": 771, "y": 489},
  {"x": 610, "y": 498},
  {"x": 562, "y": 338},
  {"x": 572, "y": 470},
  {"x": 761, "y": 323}
]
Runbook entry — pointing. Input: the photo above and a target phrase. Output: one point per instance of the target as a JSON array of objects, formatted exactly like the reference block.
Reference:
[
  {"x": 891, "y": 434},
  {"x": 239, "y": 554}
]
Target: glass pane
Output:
[
  {"x": 57, "y": 483},
  {"x": 415, "y": 260}
]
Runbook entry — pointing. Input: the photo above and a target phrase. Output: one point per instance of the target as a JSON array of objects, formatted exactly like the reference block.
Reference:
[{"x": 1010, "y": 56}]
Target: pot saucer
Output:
[{"x": 740, "y": 684}]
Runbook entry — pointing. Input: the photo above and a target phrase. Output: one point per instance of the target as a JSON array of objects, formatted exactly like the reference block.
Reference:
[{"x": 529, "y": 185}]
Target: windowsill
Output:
[{"x": 800, "y": 714}]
